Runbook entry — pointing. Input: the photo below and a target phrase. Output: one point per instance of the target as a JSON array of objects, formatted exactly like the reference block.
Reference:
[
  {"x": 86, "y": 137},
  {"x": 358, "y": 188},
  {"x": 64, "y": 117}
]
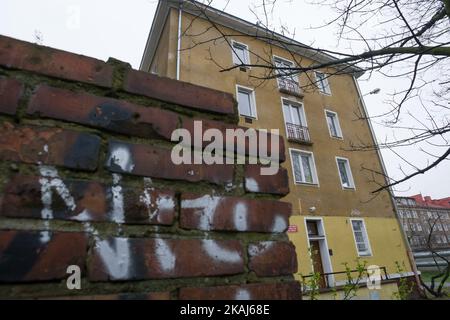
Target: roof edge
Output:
[{"x": 232, "y": 22}]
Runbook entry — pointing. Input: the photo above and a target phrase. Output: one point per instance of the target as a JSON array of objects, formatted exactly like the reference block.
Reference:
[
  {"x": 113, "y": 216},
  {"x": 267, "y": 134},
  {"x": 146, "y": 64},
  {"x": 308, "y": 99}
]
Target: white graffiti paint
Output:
[
  {"x": 88, "y": 228},
  {"x": 165, "y": 256},
  {"x": 251, "y": 185},
  {"x": 259, "y": 248},
  {"x": 117, "y": 212},
  {"x": 240, "y": 217},
  {"x": 83, "y": 216},
  {"x": 279, "y": 224},
  {"x": 44, "y": 236},
  {"x": 156, "y": 208},
  {"x": 164, "y": 204},
  {"x": 115, "y": 257},
  {"x": 146, "y": 199},
  {"x": 50, "y": 180},
  {"x": 242, "y": 294},
  {"x": 218, "y": 253},
  {"x": 121, "y": 156},
  {"x": 205, "y": 207}
]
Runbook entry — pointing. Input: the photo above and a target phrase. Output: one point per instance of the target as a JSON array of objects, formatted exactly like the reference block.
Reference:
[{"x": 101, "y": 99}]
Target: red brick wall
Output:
[{"x": 86, "y": 179}]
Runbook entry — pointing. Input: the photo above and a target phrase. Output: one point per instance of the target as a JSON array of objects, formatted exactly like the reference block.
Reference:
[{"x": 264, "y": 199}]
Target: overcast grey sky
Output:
[{"x": 119, "y": 29}]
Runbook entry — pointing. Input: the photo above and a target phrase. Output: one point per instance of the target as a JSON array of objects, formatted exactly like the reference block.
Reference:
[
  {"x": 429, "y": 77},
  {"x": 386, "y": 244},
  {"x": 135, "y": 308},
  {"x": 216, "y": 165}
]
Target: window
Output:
[
  {"x": 286, "y": 80},
  {"x": 408, "y": 214},
  {"x": 405, "y": 226},
  {"x": 240, "y": 53},
  {"x": 333, "y": 124},
  {"x": 246, "y": 102},
  {"x": 322, "y": 83},
  {"x": 303, "y": 167},
  {"x": 429, "y": 215},
  {"x": 445, "y": 227},
  {"x": 400, "y": 213},
  {"x": 415, "y": 214},
  {"x": 295, "y": 121},
  {"x": 345, "y": 173},
  {"x": 361, "y": 238},
  {"x": 419, "y": 227},
  {"x": 311, "y": 226},
  {"x": 439, "y": 226}
]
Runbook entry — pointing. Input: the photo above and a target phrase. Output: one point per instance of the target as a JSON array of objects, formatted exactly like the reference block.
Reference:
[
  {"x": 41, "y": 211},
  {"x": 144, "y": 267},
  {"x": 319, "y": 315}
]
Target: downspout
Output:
[
  {"x": 180, "y": 10},
  {"x": 383, "y": 166}
]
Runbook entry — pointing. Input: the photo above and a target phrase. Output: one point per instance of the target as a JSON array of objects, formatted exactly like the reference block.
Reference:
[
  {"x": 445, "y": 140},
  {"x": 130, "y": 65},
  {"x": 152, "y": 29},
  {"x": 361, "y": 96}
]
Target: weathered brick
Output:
[
  {"x": 39, "y": 256},
  {"x": 10, "y": 92},
  {"x": 257, "y": 183},
  {"x": 206, "y": 212},
  {"x": 272, "y": 258},
  {"x": 23, "y": 55},
  {"x": 143, "y": 258},
  {"x": 127, "y": 118},
  {"x": 182, "y": 93},
  {"x": 257, "y": 291},
  {"x": 111, "y": 114},
  {"x": 153, "y": 161},
  {"x": 54, "y": 146},
  {"x": 87, "y": 201},
  {"x": 164, "y": 295},
  {"x": 250, "y": 145}
]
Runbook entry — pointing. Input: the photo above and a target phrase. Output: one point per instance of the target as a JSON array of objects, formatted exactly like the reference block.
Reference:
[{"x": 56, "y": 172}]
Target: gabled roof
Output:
[{"x": 232, "y": 22}]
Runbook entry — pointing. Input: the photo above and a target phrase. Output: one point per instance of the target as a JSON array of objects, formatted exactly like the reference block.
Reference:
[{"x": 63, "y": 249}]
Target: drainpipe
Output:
[
  {"x": 383, "y": 166},
  {"x": 180, "y": 10}
]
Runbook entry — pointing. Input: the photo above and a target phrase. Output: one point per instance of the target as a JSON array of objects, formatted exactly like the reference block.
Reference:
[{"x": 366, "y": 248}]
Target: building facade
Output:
[
  {"x": 426, "y": 221},
  {"x": 336, "y": 217}
]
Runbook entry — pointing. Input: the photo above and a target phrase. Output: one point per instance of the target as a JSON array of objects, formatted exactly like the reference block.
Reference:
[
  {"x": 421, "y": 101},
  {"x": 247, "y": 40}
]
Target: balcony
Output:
[
  {"x": 289, "y": 86},
  {"x": 297, "y": 133}
]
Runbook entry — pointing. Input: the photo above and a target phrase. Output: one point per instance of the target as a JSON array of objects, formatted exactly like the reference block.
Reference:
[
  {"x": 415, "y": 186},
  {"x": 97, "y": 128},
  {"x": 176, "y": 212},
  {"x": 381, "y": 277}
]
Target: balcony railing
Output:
[
  {"x": 297, "y": 133},
  {"x": 330, "y": 282},
  {"x": 289, "y": 86}
]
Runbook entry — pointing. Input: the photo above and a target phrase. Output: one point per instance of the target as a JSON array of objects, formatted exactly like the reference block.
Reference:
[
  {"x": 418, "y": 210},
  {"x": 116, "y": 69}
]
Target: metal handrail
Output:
[
  {"x": 325, "y": 275},
  {"x": 289, "y": 85},
  {"x": 297, "y": 132}
]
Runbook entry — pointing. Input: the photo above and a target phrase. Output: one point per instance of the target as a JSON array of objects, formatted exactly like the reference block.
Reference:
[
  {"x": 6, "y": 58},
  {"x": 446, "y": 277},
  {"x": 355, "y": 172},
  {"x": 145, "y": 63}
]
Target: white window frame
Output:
[
  {"x": 349, "y": 174},
  {"x": 236, "y": 60},
  {"x": 367, "y": 253},
  {"x": 294, "y": 76},
  {"x": 338, "y": 125},
  {"x": 325, "y": 252},
  {"x": 300, "y": 105},
  {"x": 314, "y": 169},
  {"x": 327, "y": 89},
  {"x": 253, "y": 101}
]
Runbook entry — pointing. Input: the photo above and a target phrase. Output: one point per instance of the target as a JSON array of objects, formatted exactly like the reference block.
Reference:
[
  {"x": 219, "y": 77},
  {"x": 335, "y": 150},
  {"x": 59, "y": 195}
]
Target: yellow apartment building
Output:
[{"x": 336, "y": 218}]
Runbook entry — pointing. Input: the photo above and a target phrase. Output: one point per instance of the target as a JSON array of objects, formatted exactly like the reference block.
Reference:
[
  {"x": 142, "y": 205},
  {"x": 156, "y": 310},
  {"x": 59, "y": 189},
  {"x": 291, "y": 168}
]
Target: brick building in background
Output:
[{"x": 419, "y": 214}]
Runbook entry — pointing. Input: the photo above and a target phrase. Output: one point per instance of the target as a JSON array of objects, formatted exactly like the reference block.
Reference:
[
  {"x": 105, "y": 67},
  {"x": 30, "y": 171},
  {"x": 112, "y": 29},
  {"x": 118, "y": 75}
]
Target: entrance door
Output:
[{"x": 317, "y": 261}]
